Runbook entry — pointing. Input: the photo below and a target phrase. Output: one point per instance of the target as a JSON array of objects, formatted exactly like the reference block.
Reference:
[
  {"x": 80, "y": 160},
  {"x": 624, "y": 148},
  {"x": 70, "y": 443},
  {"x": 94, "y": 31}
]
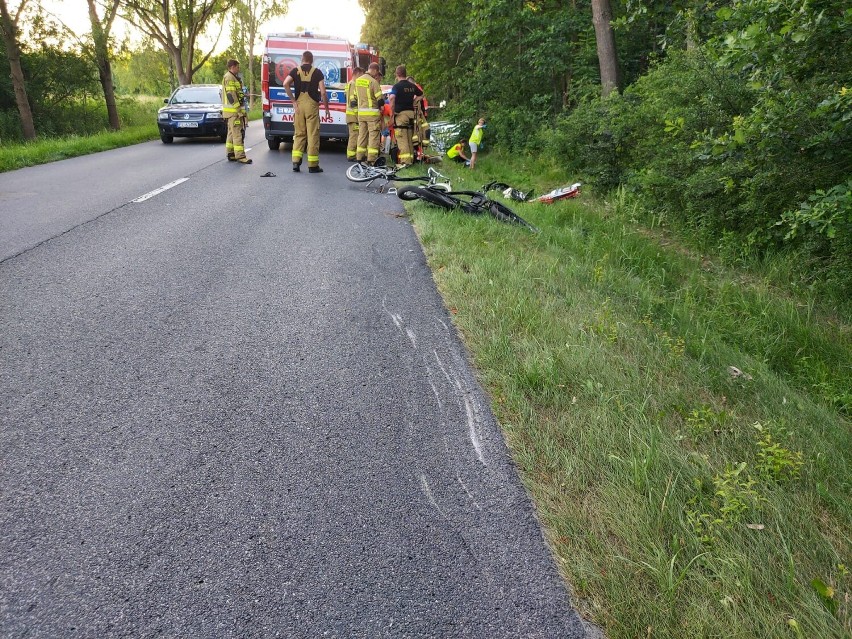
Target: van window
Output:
[
  {"x": 280, "y": 67},
  {"x": 334, "y": 70}
]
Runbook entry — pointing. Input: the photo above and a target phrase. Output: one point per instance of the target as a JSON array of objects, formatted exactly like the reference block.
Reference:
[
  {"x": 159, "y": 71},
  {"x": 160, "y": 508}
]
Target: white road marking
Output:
[
  {"x": 472, "y": 423},
  {"x": 441, "y": 366},
  {"x": 412, "y": 337},
  {"x": 165, "y": 187},
  {"x": 397, "y": 319},
  {"x": 478, "y": 507},
  {"x": 428, "y": 492},
  {"x": 434, "y": 388}
]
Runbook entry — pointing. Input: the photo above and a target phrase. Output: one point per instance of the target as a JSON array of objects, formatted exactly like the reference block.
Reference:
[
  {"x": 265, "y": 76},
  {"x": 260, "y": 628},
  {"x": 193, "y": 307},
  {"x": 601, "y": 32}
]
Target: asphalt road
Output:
[{"x": 239, "y": 408}]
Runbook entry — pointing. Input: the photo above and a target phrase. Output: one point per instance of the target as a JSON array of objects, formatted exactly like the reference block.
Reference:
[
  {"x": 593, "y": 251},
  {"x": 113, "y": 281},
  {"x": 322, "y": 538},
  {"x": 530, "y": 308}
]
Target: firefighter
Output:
[
  {"x": 370, "y": 102},
  {"x": 423, "y": 102},
  {"x": 404, "y": 98},
  {"x": 352, "y": 114},
  {"x": 309, "y": 85},
  {"x": 422, "y": 132},
  {"x": 234, "y": 113}
]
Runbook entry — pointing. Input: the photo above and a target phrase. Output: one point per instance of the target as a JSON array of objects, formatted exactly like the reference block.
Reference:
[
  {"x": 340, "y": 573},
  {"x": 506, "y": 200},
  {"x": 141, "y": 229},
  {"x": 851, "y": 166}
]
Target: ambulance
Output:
[{"x": 335, "y": 57}]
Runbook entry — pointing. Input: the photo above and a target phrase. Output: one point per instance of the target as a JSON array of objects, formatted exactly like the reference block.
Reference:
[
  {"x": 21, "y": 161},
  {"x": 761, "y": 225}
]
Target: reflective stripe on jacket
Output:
[
  {"x": 351, "y": 99},
  {"x": 369, "y": 91},
  {"x": 232, "y": 95}
]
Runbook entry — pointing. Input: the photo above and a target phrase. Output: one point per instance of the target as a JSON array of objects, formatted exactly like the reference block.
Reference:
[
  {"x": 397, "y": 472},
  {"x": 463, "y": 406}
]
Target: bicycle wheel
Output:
[
  {"x": 359, "y": 172},
  {"x": 409, "y": 193},
  {"x": 503, "y": 213}
]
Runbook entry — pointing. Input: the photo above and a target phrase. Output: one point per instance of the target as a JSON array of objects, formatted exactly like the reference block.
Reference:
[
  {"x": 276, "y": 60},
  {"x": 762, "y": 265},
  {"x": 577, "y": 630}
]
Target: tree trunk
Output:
[
  {"x": 13, "y": 51},
  {"x": 105, "y": 73},
  {"x": 104, "y": 67},
  {"x": 251, "y": 78},
  {"x": 183, "y": 76},
  {"x": 605, "y": 39}
]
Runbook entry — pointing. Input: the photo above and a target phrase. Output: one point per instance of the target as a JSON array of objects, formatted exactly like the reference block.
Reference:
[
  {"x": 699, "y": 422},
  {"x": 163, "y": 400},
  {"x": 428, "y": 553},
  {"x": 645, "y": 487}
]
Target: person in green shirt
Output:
[{"x": 475, "y": 141}]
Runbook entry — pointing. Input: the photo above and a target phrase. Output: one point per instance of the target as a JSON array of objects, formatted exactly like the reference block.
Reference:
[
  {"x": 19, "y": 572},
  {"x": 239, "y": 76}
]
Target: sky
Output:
[{"x": 342, "y": 18}]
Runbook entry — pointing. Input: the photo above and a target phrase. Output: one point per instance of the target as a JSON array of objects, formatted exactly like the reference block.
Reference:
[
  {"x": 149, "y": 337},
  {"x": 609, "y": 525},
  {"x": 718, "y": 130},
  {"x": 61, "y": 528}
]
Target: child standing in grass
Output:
[{"x": 475, "y": 141}]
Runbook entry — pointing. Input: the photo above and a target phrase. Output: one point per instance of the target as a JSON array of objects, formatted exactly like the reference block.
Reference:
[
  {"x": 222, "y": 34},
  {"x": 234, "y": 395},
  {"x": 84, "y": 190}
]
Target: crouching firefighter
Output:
[
  {"x": 352, "y": 114},
  {"x": 309, "y": 85},
  {"x": 234, "y": 113},
  {"x": 370, "y": 102}
]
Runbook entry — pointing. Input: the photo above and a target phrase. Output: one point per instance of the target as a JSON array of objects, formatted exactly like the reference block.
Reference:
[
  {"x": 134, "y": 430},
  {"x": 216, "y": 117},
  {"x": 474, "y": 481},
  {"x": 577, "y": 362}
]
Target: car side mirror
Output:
[{"x": 166, "y": 101}]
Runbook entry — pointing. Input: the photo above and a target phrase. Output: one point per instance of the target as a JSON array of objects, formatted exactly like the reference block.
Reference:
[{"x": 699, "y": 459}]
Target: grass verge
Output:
[
  {"x": 17, "y": 156},
  {"x": 683, "y": 428}
]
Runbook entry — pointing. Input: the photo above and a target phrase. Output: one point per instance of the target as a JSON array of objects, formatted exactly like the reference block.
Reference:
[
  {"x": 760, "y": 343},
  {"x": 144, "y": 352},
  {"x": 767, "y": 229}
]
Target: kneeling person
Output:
[{"x": 456, "y": 153}]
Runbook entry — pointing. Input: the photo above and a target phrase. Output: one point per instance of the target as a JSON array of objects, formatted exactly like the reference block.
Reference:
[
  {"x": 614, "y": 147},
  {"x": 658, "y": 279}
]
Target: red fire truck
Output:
[{"x": 335, "y": 57}]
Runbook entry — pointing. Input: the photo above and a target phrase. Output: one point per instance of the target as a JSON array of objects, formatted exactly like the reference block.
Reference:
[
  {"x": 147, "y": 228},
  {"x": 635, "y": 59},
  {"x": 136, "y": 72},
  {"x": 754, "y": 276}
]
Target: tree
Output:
[
  {"x": 177, "y": 26},
  {"x": 101, "y": 28},
  {"x": 9, "y": 27},
  {"x": 390, "y": 26},
  {"x": 605, "y": 38},
  {"x": 144, "y": 69},
  {"x": 249, "y": 15}
]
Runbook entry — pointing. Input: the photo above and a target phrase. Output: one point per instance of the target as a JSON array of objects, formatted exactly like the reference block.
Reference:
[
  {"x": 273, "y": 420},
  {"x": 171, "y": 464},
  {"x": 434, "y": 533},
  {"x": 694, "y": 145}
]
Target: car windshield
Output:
[{"x": 197, "y": 95}]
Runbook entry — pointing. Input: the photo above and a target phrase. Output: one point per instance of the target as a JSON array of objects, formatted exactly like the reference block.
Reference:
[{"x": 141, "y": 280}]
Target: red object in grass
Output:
[{"x": 559, "y": 194}]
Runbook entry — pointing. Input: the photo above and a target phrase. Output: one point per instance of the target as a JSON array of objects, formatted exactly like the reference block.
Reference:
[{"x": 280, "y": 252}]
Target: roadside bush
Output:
[
  {"x": 586, "y": 142},
  {"x": 10, "y": 126},
  {"x": 724, "y": 159},
  {"x": 822, "y": 227},
  {"x": 618, "y": 140}
]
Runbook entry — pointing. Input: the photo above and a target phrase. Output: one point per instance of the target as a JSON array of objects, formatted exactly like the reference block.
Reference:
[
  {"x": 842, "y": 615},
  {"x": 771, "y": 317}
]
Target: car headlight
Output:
[
  {"x": 217, "y": 115},
  {"x": 162, "y": 116}
]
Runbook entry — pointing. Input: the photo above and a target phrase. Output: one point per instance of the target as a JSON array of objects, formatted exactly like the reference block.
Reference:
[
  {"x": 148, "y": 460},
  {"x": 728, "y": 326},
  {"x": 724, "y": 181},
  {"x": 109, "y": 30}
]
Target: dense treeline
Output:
[
  {"x": 66, "y": 98},
  {"x": 57, "y": 77},
  {"x": 734, "y": 121},
  {"x": 62, "y": 83}
]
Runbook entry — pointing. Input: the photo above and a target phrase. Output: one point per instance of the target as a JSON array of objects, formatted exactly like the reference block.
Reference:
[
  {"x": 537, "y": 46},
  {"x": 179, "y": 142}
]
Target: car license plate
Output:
[
  {"x": 283, "y": 110},
  {"x": 187, "y": 125}
]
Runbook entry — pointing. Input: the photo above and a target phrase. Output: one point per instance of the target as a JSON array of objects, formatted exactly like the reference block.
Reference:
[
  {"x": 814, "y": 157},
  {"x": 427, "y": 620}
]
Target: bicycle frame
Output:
[
  {"x": 370, "y": 174},
  {"x": 471, "y": 202}
]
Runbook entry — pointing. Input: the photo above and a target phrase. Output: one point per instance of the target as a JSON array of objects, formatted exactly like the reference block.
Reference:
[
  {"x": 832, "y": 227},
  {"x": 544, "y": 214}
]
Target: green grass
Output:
[
  {"x": 140, "y": 125},
  {"x": 681, "y": 498},
  {"x": 16, "y": 156}
]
